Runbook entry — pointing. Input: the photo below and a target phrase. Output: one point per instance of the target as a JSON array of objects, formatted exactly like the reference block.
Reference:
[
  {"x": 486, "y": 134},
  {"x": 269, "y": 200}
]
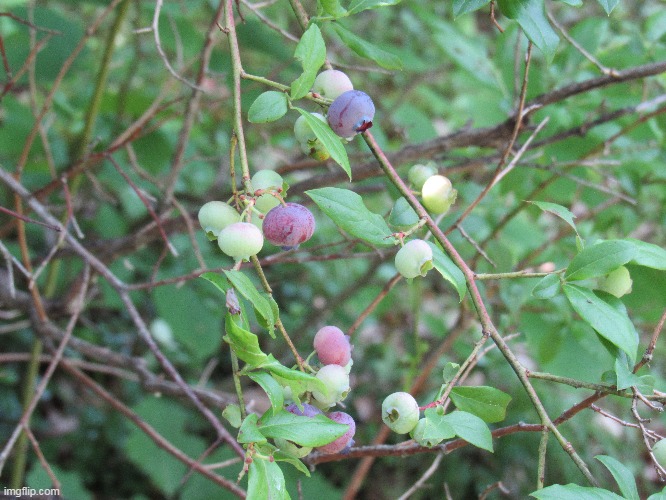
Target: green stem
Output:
[
  {"x": 237, "y": 384},
  {"x": 515, "y": 274}
]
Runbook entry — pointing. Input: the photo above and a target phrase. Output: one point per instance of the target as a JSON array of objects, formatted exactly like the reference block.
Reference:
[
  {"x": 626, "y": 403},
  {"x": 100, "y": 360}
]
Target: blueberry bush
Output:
[{"x": 333, "y": 249}]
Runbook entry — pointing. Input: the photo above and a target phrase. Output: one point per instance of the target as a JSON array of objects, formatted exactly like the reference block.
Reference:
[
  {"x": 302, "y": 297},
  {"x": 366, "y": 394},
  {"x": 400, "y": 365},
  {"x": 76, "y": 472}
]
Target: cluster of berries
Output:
[{"x": 334, "y": 352}]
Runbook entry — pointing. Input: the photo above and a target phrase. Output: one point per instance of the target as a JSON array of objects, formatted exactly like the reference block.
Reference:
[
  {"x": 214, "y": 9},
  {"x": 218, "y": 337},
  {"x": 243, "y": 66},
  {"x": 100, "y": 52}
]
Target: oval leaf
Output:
[
  {"x": 562, "y": 212},
  {"x": 348, "y": 211},
  {"x": 608, "y": 321},
  {"x": 268, "y": 107},
  {"x": 329, "y": 139},
  {"x": 599, "y": 260},
  {"x": 306, "y": 431},
  {"x": 648, "y": 254},
  {"x": 272, "y": 389},
  {"x": 262, "y": 305},
  {"x": 574, "y": 492},
  {"x": 470, "y": 428},
  {"x": 532, "y": 19},
  {"x": 365, "y": 49},
  {"x": 448, "y": 270},
  {"x": 547, "y": 287},
  {"x": 245, "y": 344},
  {"x": 487, "y": 403},
  {"x": 464, "y": 6}
]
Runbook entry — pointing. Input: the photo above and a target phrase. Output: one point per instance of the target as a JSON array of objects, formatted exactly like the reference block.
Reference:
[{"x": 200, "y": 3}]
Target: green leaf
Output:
[
  {"x": 261, "y": 304},
  {"x": 266, "y": 481},
  {"x": 347, "y": 210},
  {"x": 365, "y": 49},
  {"x": 233, "y": 415},
  {"x": 333, "y": 8},
  {"x": 469, "y": 53},
  {"x": 623, "y": 476},
  {"x": 305, "y": 431},
  {"x": 574, "y": 492},
  {"x": 437, "y": 427},
  {"x": 298, "y": 381},
  {"x": 599, "y": 260},
  {"x": 216, "y": 279},
  {"x": 608, "y": 5},
  {"x": 271, "y": 387},
  {"x": 465, "y": 6},
  {"x": 609, "y": 322},
  {"x": 448, "y": 270},
  {"x": 402, "y": 215},
  {"x": 563, "y": 213},
  {"x": 647, "y": 254},
  {"x": 281, "y": 456},
  {"x": 547, "y": 287},
  {"x": 470, "y": 428},
  {"x": 311, "y": 52},
  {"x": 450, "y": 370},
  {"x": 245, "y": 344},
  {"x": 329, "y": 139},
  {"x": 532, "y": 19},
  {"x": 249, "y": 432},
  {"x": 268, "y": 107},
  {"x": 487, "y": 403},
  {"x": 573, "y": 3},
  {"x": 624, "y": 377},
  {"x": 361, "y": 5}
]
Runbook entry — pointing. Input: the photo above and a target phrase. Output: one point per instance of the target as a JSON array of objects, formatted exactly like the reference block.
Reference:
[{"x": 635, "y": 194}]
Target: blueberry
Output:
[
  {"x": 351, "y": 113},
  {"x": 288, "y": 225},
  {"x": 331, "y": 83}
]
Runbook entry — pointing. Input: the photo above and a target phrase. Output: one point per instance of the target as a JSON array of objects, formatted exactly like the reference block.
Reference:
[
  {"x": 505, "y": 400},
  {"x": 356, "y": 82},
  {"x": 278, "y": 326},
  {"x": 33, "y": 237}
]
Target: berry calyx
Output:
[
  {"x": 400, "y": 412},
  {"x": 351, "y": 113},
  {"x": 414, "y": 259},
  {"x": 438, "y": 194},
  {"x": 331, "y": 83},
  {"x": 332, "y": 346},
  {"x": 240, "y": 240},
  {"x": 214, "y": 216},
  {"x": 343, "y": 441},
  {"x": 288, "y": 225}
]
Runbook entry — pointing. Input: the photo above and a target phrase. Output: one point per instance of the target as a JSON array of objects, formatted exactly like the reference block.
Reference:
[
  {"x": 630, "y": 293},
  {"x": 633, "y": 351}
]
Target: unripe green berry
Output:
[
  {"x": 617, "y": 282},
  {"x": 266, "y": 180},
  {"x": 414, "y": 259},
  {"x": 331, "y": 83},
  {"x": 336, "y": 380},
  {"x": 438, "y": 194},
  {"x": 307, "y": 139},
  {"x": 420, "y": 434},
  {"x": 659, "y": 452},
  {"x": 419, "y": 173},
  {"x": 241, "y": 240},
  {"x": 400, "y": 412},
  {"x": 214, "y": 216}
]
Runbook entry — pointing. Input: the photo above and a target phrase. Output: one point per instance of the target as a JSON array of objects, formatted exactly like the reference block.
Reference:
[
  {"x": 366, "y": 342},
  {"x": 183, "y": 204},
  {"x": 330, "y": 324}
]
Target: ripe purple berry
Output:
[
  {"x": 332, "y": 346},
  {"x": 289, "y": 225},
  {"x": 351, "y": 113},
  {"x": 343, "y": 441}
]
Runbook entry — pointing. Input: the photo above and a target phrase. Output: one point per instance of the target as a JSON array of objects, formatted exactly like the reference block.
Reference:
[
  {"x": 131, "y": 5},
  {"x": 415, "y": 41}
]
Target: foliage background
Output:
[{"x": 458, "y": 75}]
